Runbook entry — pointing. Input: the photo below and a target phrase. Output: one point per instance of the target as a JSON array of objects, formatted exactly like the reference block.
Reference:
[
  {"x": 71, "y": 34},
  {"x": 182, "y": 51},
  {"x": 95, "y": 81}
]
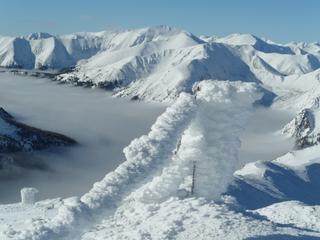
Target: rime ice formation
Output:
[{"x": 28, "y": 195}]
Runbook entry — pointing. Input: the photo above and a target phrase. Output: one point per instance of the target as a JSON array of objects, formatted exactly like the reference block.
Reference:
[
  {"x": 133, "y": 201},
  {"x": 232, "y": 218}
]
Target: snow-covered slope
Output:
[
  {"x": 34, "y": 53},
  {"x": 294, "y": 176}
]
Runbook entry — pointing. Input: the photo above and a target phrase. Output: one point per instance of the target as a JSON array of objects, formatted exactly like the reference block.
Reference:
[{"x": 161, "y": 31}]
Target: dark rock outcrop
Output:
[
  {"x": 302, "y": 129},
  {"x": 19, "y": 137}
]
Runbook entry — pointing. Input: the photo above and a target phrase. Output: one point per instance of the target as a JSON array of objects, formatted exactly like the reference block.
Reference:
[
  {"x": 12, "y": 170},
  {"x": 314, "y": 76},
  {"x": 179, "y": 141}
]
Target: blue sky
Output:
[{"x": 279, "y": 20}]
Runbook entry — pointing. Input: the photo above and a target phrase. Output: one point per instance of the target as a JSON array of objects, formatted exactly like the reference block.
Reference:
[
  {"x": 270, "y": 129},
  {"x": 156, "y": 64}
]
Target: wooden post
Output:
[
  {"x": 193, "y": 177},
  {"x": 177, "y": 147}
]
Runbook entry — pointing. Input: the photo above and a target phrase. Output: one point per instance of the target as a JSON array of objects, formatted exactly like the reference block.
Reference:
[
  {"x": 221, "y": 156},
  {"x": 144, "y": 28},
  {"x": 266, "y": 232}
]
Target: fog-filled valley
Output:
[{"x": 102, "y": 126}]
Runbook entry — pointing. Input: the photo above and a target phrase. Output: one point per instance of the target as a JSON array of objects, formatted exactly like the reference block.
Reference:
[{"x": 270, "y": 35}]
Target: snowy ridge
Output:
[
  {"x": 157, "y": 164},
  {"x": 42, "y": 50},
  {"x": 159, "y": 70},
  {"x": 265, "y": 46}
]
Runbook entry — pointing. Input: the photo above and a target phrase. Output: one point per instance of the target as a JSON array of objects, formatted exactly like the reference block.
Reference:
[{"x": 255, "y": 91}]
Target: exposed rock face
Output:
[
  {"x": 302, "y": 128},
  {"x": 18, "y": 137}
]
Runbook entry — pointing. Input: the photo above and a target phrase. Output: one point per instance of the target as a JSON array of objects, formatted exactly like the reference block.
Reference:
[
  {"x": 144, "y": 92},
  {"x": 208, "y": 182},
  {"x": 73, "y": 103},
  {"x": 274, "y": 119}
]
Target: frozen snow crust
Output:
[{"x": 200, "y": 128}]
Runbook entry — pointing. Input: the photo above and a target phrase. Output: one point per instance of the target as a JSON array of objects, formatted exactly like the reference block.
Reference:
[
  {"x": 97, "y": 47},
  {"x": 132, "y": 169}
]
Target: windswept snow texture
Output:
[{"x": 160, "y": 164}]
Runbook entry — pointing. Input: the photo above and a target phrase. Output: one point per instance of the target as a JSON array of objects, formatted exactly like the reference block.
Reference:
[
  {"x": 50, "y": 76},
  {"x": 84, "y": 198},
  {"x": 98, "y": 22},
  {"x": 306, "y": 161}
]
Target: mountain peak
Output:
[
  {"x": 38, "y": 35},
  {"x": 240, "y": 39}
]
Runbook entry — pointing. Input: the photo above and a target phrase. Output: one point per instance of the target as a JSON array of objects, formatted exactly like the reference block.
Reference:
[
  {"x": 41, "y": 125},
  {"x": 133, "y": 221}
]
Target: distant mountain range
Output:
[{"x": 158, "y": 63}]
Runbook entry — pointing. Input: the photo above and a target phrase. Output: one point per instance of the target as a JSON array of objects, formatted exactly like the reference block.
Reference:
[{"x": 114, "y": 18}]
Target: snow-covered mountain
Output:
[
  {"x": 185, "y": 173},
  {"x": 158, "y": 63}
]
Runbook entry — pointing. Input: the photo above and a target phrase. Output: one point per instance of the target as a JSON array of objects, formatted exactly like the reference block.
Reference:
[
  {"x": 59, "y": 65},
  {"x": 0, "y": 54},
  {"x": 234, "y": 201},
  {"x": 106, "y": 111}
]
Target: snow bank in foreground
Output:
[
  {"x": 16, "y": 217},
  {"x": 199, "y": 130},
  {"x": 191, "y": 218}
]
